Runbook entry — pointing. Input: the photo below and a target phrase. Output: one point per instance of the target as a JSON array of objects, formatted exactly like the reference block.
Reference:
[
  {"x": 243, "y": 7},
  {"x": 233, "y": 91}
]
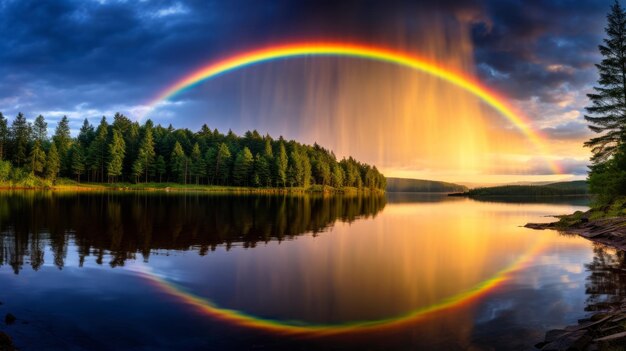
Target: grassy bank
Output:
[{"x": 63, "y": 184}]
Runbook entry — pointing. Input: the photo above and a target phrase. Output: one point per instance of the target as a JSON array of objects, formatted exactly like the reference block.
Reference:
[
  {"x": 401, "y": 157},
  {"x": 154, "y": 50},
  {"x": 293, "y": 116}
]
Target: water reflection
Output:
[
  {"x": 606, "y": 283},
  {"x": 124, "y": 225},
  {"x": 377, "y": 259}
]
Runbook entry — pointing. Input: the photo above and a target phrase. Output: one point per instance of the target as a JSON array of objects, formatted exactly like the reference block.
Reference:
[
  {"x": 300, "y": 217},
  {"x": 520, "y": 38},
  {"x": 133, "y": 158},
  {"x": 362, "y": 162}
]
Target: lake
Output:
[{"x": 164, "y": 271}]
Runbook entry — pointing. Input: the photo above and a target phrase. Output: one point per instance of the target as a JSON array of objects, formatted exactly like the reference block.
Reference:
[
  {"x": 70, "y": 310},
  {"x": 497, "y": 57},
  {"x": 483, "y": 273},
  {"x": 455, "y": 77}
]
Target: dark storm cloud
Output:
[
  {"x": 88, "y": 55},
  {"x": 530, "y": 48}
]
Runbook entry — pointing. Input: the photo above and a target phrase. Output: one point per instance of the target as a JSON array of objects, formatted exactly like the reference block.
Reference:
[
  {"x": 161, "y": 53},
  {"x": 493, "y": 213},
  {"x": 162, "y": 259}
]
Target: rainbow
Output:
[
  {"x": 461, "y": 80},
  {"x": 242, "y": 319}
]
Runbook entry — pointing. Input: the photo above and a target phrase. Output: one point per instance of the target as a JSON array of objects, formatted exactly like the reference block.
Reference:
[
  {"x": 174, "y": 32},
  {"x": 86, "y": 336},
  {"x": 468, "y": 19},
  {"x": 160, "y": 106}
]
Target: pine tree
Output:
[
  {"x": 281, "y": 166},
  {"x": 210, "y": 160},
  {"x": 198, "y": 167},
  {"x": 53, "y": 163},
  {"x": 222, "y": 164},
  {"x": 144, "y": 164},
  {"x": 243, "y": 166},
  {"x": 97, "y": 153},
  {"x": 607, "y": 114},
  {"x": 117, "y": 150},
  {"x": 36, "y": 158},
  {"x": 179, "y": 163},
  {"x": 138, "y": 168},
  {"x": 40, "y": 129},
  {"x": 86, "y": 134},
  {"x": 20, "y": 135},
  {"x": 160, "y": 167},
  {"x": 262, "y": 172},
  {"x": 338, "y": 176},
  {"x": 295, "y": 171},
  {"x": 78, "y": 161},
  {"x": 63, "y": 140},
  {"x": 4, "y": 136}
]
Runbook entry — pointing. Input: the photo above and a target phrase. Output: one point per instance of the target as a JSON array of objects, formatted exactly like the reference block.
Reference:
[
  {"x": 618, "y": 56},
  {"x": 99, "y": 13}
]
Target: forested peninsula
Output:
[{"x": 127, "y": 154}]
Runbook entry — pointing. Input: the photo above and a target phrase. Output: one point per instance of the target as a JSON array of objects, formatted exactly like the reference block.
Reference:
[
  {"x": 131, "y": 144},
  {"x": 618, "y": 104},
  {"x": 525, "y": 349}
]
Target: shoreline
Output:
[
  {"x": 602, "y": 330},
  {"x": 173, "y": 187}
]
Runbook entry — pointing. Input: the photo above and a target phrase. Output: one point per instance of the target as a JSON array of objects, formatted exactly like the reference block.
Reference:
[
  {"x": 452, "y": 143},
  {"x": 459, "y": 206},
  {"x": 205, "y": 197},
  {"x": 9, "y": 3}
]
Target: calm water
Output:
[{"x": 162, "y": 271}]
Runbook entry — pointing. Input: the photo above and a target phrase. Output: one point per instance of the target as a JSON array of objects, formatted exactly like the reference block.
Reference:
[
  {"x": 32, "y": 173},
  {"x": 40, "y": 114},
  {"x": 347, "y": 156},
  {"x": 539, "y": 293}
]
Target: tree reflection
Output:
[
  {"x": 122, "y": 225},
  {"x": 606, "y": 283}
]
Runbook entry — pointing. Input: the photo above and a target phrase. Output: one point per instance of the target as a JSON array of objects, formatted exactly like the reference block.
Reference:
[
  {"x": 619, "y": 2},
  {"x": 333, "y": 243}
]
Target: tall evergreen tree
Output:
[
  {"x": 210, "y": 160},
  {"x": 281, "y": 166},
  {"x": 222, "y": 164},
  {"x": 53, "y": 163},
  {"x": 179, "y": 163},
  {"x": 78, "y": 160},
  {"x": 63, "y": 140},
  {"x": 40, "y": 129},
  {"x": 37, "y": 158},
  {"x": 117, "y": 150},
  {"x": 198, "y": 167},
  {"x": 262, "y": 171},
  {"x": 160, "y": 167},
  {"x": 86, "y": 134},
  {"x": 144, "y": 164},
  {"x": 20, "y": 135},
  {"x": 98, "y": 149},
  {"x": 4, "y": 136},
  {"x": 243, "y": 166},
  {"x": 607, "y": 113}
]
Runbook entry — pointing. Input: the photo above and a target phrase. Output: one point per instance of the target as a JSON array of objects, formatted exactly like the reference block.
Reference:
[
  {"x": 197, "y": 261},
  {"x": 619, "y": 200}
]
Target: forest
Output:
[{"x": 126, "y": 151}]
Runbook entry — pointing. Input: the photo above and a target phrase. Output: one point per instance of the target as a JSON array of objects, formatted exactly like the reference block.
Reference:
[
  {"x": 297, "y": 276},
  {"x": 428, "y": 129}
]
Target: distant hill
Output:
[
  {"x": 396, "y": 185},
  {"x": 578, "y": 187}
]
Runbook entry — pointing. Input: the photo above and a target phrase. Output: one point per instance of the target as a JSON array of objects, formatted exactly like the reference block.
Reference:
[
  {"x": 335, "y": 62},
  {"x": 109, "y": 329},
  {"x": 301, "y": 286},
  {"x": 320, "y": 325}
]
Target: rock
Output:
[
  {"x": 617, "y": 336},
  {"x": 9, "y": 318},
  {"x": 573, "y": 341},
  {"x": 6, "y": 344}
]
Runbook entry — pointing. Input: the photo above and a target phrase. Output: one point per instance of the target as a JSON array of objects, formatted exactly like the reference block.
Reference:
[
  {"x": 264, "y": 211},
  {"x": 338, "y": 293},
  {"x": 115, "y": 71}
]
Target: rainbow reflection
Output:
[{"x": 243, "y": 319}]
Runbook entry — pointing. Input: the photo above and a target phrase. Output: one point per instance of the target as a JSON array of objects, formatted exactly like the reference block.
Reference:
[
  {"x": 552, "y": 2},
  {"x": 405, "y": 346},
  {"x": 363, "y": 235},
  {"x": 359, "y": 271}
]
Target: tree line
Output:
[{"x": 125, "y": 150}]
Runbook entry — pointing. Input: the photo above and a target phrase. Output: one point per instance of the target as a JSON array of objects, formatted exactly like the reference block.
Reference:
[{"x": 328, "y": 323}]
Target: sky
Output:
[{"x": 89, "y": 58}]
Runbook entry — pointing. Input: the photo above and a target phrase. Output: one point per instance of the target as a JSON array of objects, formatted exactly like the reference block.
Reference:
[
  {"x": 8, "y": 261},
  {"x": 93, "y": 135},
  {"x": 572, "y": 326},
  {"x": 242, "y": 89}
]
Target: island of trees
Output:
[{"x": 126, "y": 151}]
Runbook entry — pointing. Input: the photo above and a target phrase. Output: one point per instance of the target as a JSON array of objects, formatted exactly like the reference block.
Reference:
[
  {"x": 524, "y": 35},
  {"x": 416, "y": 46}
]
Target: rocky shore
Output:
[{"x": 605, "y": 330}]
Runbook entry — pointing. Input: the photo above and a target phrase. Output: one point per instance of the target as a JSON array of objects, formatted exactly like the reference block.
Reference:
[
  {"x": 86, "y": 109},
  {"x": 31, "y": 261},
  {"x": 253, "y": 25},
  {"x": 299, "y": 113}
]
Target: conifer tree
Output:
[
  {"x": 20, "y": 135},
  {"x": 262, "y": 171},
  {"x": 86, "y": 134},
  {"x": 222, "y": 161},
  {"x": 63, "y": 140},
  {"x": 144, "y": 164},
  {"x": 607, "y": 113},
  {"x": 281, "y": 166},
  {"x": 179, "y": 163},
  {"x": 40, "y": 129},
  {"x": 210, "y": 160},
  {"x": 198, "y": 167},
  {"x": 36, "y": 158},
  {"x": 4, "y": 136},
  {"x": 160, "y": 167},
  {"x": 117, "y": 150},
  {"x": 243, "y": 166},
  {"x": 78, "y": 160},
  {"x": 97, "y": 153},
  {"x": 53, "y": 163}
]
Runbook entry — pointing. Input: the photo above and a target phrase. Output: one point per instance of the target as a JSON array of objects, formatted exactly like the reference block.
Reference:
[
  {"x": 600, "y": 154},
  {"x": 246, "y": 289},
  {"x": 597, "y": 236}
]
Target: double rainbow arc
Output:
[{"x": 461, "y": 80}]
